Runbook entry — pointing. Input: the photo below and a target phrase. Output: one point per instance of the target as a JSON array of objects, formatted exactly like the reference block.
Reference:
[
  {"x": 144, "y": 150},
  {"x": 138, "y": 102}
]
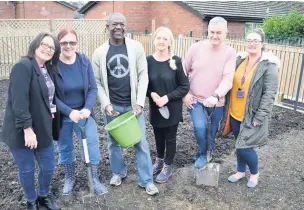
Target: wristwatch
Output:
[{"x": 216, "y": 96}]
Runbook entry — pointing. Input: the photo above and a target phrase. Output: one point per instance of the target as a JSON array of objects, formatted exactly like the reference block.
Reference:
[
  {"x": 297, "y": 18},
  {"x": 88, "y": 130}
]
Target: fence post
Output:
[
  {"x": 51, "y": 25},
  {"x": 299, "y": 83}
]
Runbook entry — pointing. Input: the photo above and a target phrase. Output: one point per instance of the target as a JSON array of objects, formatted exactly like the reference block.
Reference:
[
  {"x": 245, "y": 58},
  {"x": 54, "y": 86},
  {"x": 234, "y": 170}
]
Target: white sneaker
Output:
[
  {"x": 115, "y": 180},
  {"x": 151, "y": 189}
]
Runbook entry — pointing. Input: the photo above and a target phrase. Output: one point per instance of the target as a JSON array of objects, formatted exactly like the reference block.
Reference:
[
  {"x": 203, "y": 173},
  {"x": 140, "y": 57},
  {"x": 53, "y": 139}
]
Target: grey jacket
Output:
[
  {"x": 138, "y": 72},
  {"x": 261, "y": 96}
]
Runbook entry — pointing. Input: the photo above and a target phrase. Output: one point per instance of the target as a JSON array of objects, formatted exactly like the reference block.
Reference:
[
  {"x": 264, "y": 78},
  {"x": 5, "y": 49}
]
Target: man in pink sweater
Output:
[{"x": 210, "y": 66}]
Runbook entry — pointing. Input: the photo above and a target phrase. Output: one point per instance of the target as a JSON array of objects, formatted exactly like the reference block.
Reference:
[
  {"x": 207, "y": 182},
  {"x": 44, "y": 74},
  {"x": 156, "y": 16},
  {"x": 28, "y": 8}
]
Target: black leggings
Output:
[{"x": 166, "y": 140}]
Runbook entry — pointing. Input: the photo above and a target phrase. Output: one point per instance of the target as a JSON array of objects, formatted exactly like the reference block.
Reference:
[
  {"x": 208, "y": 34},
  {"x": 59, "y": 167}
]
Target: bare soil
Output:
[{"x": 281, "y": 168}]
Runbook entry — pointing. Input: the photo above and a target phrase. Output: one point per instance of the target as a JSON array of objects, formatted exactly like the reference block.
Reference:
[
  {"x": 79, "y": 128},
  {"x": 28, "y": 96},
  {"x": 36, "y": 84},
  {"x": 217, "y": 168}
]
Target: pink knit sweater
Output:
[{"x": 210, "y": 70}]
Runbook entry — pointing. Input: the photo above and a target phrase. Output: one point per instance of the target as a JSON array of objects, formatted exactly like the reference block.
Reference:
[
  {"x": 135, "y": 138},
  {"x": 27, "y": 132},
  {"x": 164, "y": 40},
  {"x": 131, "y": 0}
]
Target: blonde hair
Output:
[{"x": 172, "y": 62}]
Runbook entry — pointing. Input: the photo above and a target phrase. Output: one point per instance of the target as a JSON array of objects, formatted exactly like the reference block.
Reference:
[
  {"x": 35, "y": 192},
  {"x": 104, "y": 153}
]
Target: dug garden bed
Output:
[{"x": 11, "y": 195}]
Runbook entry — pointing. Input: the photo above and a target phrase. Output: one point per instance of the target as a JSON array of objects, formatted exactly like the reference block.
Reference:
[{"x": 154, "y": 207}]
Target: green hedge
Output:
[{"x": 282, "y": 27}]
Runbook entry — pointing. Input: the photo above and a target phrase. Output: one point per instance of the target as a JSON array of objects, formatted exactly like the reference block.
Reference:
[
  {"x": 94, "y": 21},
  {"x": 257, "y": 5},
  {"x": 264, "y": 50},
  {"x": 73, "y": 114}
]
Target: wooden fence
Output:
[
  {"x": 11, "y": 48},
  {"x": 31, "y": 27}
]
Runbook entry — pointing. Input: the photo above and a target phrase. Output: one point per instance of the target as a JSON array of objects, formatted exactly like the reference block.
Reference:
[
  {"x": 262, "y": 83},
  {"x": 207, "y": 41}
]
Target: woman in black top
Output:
[
  {"x": 168, "y": 84},
  {"x": 31, "y": 121}
]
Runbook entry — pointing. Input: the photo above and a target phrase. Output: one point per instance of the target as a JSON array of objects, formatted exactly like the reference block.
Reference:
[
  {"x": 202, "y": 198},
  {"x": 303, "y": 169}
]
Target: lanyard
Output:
[{"x": 245, "y": 69}]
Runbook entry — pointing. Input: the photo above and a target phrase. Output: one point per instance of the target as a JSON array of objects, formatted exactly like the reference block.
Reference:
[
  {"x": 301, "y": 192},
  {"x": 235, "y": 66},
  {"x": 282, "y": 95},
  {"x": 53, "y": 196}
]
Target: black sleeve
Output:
[
  {"x": 183, "y": 85},
  {"x": 20, "y": 82}
]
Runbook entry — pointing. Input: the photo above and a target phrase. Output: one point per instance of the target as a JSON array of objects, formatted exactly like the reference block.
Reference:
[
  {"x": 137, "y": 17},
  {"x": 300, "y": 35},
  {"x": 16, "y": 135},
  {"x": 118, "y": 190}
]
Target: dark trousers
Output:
[
  {"x": 166, "y": 141},
  {"x": 246, "y": 156}
]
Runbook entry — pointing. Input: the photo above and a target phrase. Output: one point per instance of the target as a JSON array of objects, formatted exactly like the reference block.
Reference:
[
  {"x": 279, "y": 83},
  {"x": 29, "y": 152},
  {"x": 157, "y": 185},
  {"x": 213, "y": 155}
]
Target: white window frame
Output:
[{"x": 251, "y": 26}]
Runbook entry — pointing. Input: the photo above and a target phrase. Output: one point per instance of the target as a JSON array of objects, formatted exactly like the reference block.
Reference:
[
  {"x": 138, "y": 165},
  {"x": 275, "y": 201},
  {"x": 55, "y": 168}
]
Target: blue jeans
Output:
[
  {"x": 143, "y": 159},
  {"x": 25, "y": 160},
  {"x": 66, "y": 146},
  {"x": 199, "y": 121},
  {"x": 246, "y": 156}
]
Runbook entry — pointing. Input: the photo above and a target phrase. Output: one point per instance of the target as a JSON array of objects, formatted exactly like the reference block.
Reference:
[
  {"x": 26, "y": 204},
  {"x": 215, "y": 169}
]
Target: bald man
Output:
[{"x": 120, "y": 68}]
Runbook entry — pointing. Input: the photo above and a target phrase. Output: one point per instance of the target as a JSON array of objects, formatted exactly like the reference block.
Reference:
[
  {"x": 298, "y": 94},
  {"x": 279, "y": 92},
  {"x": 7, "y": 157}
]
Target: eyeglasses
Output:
[
  {"x": 47, "y": 47},
  {"x": 255, "y": 41},
  {"x": 64, "y": 44}
]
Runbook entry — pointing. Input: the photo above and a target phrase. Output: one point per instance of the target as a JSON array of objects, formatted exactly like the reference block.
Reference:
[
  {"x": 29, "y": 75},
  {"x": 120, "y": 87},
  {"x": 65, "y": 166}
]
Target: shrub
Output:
[{"x": 289, "y": 26}]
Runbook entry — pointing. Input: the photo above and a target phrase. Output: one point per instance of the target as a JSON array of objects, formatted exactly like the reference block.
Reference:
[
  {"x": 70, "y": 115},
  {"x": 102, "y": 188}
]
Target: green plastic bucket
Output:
[{"x": 125, "y": 129}]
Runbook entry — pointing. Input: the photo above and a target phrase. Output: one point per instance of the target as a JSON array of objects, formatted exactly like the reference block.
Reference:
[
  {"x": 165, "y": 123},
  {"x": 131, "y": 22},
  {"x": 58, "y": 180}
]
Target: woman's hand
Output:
[
  {"x": 255, "y": 124},
  {"x": 154, "y": 96},
  {"x": 85, "y": 113},
  {"x": 162, "y": 101},
  {"x": 75, "y": 116},
  {"x": 30, "y": 138}
]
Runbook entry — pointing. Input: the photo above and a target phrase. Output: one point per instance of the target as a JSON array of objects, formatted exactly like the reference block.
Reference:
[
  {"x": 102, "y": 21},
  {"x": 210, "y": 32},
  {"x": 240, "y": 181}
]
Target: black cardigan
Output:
[{"x": 28, "y": 106}]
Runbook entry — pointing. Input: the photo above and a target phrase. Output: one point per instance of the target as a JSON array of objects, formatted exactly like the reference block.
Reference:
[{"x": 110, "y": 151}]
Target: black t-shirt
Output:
[
  {"x": 119, "y": 75},
  {"x": 163, "y": 80}
]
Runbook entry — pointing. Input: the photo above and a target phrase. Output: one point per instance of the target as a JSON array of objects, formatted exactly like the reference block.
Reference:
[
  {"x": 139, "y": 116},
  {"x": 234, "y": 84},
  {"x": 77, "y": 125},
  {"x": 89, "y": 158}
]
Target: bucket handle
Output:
[{"x": 123, "y": 122}]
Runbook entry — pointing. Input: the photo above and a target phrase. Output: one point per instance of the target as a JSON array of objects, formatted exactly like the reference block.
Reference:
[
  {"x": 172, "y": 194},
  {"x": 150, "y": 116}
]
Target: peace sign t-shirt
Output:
[{"x": 119, "y": 75}]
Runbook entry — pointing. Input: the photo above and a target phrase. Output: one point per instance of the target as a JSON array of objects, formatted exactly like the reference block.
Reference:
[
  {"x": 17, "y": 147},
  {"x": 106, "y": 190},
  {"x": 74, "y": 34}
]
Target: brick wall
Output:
[
  {"x": 100, "y": 10},
  {"x": 178, "y": 19},
  {"x": 140, "y": 15},
  {"x": 42, "y": 10},
  {"x": 236, "y": 29},
  {"x": 137, "y": 13},
  {"x": 7, "y": 11},
  {"x": 165, "y": 13}
]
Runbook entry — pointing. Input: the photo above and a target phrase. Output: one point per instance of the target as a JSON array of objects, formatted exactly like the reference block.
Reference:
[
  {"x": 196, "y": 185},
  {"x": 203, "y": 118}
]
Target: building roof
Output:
[
  {"x": 232, "y": 10},
  {"x": 242, "y": 10},
  {"x": 86, "y": 7},
  {"x": 72, "y": 7}
]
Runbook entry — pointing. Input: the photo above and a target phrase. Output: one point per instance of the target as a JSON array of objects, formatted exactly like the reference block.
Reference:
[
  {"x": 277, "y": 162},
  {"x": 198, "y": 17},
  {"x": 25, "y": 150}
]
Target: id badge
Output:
[
  {"x": 240, "y": 93},
  {"x": 53, "y": 109}
]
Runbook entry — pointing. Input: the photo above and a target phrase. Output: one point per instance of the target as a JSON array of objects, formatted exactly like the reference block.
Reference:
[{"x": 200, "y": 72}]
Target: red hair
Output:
[{"x": 66, "y": 31}]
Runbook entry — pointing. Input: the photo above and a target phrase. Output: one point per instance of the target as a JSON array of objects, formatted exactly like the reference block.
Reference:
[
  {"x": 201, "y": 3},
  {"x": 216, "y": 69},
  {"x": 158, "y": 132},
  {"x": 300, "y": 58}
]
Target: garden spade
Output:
[
  {"x": 87, "y": 198},
  {"x": 209, "y": 175}
]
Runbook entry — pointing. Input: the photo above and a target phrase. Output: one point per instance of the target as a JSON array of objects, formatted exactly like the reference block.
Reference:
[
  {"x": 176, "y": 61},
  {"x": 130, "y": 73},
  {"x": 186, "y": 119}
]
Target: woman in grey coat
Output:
[{"x": 249, "y": 104}]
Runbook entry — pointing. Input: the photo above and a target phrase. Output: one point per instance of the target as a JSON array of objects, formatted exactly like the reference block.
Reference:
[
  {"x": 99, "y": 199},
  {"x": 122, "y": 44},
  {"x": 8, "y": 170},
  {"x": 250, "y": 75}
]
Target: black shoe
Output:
[
  {"x": 32, "y": 205},
  {"x": 48, "y": 203}
]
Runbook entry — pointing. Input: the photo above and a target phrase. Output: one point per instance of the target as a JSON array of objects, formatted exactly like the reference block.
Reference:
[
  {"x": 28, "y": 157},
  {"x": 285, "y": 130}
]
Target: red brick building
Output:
[
  {"x": 142, "y": 14},
  {"x": 189, "y": 17},
  {"x": 36, "y": 10}
]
